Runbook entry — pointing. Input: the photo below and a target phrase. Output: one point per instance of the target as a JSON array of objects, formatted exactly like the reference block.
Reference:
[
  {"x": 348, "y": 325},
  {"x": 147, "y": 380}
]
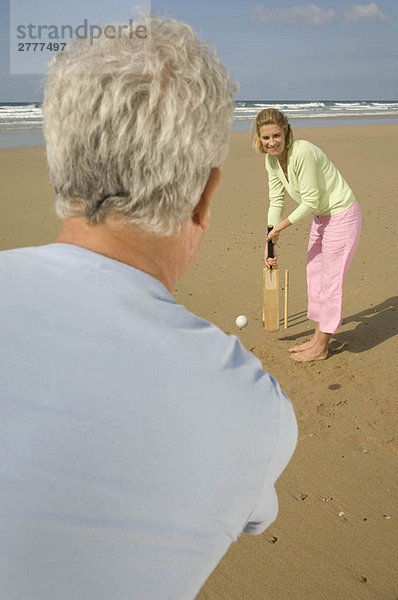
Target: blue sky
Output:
[{"x": 276, "y": 50}]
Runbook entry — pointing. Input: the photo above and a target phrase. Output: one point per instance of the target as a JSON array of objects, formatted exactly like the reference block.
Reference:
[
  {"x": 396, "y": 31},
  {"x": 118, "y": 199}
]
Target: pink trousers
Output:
[{"x": 332, "y": 244}]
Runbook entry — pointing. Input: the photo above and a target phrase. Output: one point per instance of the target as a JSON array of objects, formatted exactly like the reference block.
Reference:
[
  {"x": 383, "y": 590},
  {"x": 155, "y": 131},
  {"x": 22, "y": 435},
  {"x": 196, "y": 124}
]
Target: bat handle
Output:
[{"x": 270, "y": 244}]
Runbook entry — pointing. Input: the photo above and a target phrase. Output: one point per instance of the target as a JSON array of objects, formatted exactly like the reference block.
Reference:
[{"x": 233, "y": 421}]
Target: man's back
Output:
[{"x": 138, "y": 440}]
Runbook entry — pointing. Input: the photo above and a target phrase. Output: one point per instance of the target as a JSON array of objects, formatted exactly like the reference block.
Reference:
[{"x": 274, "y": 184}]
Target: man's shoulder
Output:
[
  {"x": 24, "y": 253},
  {"x": 17, "y": 259},
  {"x": 10, "y": 253},
  {"x": 231, "y": 370},
  {"x": 221, "y": 351},
  {"x": 217, "y": 367}
]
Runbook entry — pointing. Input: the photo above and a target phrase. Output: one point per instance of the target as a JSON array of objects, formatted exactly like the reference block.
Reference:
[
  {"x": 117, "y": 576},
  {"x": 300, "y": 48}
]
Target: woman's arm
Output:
[
  {"x": 306, "y": 173},
  {"x": 276, "y": 194},
  {"x": 274, "y": 233}
]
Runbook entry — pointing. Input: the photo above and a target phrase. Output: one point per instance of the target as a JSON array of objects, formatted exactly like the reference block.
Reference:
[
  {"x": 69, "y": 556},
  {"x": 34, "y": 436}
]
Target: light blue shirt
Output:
[{"x": 137, "y": 440}]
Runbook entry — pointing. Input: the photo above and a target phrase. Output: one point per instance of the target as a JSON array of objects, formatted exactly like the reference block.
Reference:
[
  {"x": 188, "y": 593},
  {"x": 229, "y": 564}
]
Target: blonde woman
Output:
[{"x": 305, "y": 172}]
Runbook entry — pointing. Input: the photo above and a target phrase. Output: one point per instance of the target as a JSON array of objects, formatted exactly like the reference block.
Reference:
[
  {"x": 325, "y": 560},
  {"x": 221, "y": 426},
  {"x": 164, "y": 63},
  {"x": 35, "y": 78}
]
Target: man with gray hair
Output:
[{"x": 138, "y": 440}]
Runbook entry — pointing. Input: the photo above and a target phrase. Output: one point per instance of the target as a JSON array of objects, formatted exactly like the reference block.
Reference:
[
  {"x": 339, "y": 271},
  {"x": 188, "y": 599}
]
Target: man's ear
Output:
[{"x": 201, "y": 212}]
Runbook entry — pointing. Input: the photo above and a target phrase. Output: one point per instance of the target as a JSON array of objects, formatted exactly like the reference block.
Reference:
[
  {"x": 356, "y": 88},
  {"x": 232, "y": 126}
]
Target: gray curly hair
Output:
[{"x": 134, "y": 126}]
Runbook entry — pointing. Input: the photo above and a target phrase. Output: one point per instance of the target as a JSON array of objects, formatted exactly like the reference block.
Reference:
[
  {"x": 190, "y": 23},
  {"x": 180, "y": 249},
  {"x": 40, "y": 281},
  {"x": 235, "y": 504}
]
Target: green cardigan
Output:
[{"x": 314, "y": 183}]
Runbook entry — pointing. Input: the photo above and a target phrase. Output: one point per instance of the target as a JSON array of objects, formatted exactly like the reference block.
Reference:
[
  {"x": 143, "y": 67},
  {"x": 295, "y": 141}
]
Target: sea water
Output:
[{"x": 21, "y": 124}]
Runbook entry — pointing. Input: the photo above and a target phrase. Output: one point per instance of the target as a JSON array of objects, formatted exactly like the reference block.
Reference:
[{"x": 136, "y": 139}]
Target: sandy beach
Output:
[{"x": 336, "y": 534}]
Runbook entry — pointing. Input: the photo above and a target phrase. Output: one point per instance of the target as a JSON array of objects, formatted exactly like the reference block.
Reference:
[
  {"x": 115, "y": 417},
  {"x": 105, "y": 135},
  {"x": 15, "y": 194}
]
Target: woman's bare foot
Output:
[
  {"x": 316, "y": 350},
  {"x": 310, "y": 354},
  {"x": 303, "y": 346}
]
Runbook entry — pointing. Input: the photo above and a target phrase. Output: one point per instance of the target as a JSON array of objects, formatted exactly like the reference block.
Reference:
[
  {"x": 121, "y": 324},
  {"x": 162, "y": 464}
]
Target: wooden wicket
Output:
[{"x": 286, "y": 298}]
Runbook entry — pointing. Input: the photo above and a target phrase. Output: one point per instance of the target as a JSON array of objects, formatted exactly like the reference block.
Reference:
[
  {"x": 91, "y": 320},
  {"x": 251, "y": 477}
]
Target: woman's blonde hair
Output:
[{"x": 270, "y": 116}]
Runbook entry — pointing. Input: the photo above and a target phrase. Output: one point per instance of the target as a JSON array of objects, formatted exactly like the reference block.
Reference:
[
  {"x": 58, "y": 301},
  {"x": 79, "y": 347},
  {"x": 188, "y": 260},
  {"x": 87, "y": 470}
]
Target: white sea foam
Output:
[
  {"x": 20, "y": 116},
  {"x": 28, "y": 116},
  {"x": 318, "y": 109}
]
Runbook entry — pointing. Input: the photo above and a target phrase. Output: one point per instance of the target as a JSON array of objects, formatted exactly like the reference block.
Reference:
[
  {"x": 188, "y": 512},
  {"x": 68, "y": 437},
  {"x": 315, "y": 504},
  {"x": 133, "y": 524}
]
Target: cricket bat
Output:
[{"x": 271, "y": 294}]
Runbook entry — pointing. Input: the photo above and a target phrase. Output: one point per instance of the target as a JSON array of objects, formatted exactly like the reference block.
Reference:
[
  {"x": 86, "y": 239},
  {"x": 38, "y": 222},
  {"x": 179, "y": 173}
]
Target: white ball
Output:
[{"x": 241, "y": 321}]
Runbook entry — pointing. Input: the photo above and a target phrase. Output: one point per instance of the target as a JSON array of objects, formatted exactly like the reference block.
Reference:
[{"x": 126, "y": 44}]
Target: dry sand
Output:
[{"x": 336, "y": 534}]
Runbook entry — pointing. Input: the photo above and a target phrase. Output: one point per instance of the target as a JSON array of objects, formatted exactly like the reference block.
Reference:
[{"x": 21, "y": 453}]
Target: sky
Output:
[{"x": 275, "y": 49}]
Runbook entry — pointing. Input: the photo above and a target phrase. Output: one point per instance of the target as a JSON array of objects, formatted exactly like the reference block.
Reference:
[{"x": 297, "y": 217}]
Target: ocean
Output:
[{"x": 21, "y": 123}]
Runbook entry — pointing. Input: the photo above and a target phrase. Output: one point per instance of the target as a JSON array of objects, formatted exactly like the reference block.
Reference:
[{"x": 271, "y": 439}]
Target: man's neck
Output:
[{"x": 159, "y": 256}]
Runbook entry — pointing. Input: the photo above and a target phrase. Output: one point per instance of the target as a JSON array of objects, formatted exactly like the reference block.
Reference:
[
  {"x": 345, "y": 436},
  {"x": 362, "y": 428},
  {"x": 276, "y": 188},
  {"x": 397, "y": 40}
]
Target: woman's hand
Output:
[
  {"x": 270, "y": 262},
  {"x": 273, "y": 235}
]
